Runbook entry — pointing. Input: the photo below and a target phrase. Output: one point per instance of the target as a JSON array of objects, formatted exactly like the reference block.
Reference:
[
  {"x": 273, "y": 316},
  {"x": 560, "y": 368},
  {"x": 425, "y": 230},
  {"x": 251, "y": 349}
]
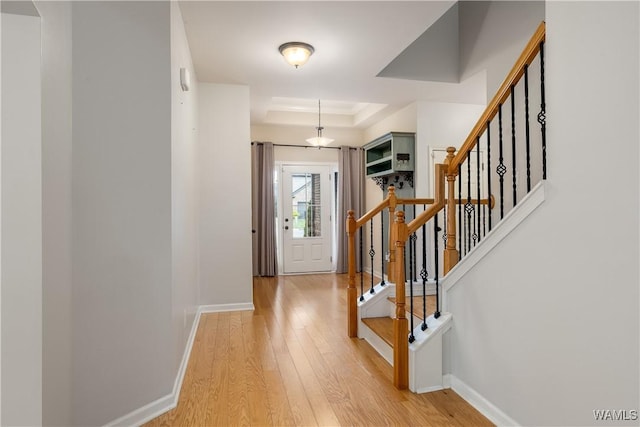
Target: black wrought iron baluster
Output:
[
  {"x": 459, "y": 203},
  {"x": 489, "y": 169},
  {"x": 411, "y": 255},
  {"x": 513, "y": 144},
  {"x": 436, "y": 229},
  {"x": 468, "y": 207},
  {"x": 382, "y": 254},
  {"x": 372, "y": 253},
  {"x": 484, "y": 217},
  {"x": 501, "y": 169},
  {"x": 444, "y": 233},
  {"x": 526, "y": 125},
  {"x": 542, "y": 118},
  {"x": 404, "y": 266},
  {"x": 423, "y": 272},
  {"x": 361, "y": 266},
  {"x": 478, "y": 185},
  {"x": 414, "y": 238}
]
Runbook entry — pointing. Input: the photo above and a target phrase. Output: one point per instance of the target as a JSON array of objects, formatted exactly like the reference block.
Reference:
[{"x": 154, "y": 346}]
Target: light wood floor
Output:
[{"x": 290, "y": 362}]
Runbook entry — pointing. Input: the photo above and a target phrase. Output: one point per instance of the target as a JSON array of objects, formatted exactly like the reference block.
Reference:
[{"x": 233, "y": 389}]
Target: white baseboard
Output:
[
  {"x": 220, "y": 308},
  {"x": 430, "y": 389},
  {"x": 170, "y": 401},
  {"x": 484, "y": 406}
]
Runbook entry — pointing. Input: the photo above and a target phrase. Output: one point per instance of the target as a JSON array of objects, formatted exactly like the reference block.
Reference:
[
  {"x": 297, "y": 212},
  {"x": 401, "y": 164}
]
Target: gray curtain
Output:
[
  {"x": 350, "y": 197},
  {"x": 263, "y": 210}
]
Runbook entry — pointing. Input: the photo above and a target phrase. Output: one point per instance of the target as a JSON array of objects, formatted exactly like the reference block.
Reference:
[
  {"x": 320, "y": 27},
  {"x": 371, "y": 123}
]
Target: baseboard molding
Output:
[
  {"x": 170, "y": 401},
  {"x": 484, "y": 406},
  {"x": 221, "y": 308}
]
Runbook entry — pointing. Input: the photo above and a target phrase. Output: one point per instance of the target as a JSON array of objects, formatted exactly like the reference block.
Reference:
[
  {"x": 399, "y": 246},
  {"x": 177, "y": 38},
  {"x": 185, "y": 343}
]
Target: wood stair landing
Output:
[{"x": 383, "y": 326}]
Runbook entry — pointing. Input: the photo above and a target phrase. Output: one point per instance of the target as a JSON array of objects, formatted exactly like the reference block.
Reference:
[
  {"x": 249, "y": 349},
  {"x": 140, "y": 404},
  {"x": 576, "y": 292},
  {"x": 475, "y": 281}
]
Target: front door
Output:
[{"x": 306, "y": 218}]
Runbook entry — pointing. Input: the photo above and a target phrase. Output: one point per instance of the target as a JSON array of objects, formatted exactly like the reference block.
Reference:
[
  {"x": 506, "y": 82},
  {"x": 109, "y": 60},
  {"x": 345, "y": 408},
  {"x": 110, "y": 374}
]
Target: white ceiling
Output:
[{"x": 237, "y": 42}]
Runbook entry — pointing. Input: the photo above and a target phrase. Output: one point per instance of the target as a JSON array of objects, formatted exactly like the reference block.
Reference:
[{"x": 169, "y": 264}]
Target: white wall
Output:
[
  {"x": 225, "y": 194},
  {"x": 21, "y": 222},
  {"x": 123, "y": 354},
  {"x": 440, "y": 125},
  {"x": 184, "y": 188},
  {"x": 56, "y": 212},
  {"x": 547, "y": 326}
]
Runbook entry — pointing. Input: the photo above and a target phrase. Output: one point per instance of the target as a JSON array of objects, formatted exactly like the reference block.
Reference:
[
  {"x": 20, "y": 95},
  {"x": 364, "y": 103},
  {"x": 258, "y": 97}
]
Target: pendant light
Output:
[{"x": 319, "y": 141}]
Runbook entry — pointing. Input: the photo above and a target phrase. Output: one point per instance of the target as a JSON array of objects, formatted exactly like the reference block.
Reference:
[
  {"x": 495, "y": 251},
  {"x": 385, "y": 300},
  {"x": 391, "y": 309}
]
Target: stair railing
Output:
[{"x": 469, "y": 198}]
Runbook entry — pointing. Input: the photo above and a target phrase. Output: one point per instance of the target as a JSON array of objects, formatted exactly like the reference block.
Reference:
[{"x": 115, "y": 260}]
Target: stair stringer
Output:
[
  {"x": 376, "y": 305},
  {"x": 426, "y": 354},
  {"x": 510, "y": 222}
]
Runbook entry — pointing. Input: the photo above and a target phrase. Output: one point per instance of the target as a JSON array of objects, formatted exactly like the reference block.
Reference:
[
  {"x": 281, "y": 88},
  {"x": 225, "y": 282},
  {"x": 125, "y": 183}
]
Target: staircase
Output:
[
  {"x": 376, "y": 327},
  {"x": 455, "y": 229}
]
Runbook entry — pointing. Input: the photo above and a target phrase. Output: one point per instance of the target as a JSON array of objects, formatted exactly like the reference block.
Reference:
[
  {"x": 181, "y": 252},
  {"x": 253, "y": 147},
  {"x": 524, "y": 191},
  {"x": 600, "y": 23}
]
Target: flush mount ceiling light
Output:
[
  {"x": 296, "y": 53},
  {"x": 319, "y": 141}
]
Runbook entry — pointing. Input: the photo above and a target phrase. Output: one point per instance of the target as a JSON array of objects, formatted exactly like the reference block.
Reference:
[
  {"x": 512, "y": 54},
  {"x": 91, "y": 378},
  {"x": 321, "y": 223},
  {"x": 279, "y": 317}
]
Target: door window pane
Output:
[{"x": 306, "y": 207}]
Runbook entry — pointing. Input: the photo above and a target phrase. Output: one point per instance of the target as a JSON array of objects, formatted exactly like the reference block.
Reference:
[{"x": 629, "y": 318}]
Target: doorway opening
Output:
[{"x": 305, "y": 217}]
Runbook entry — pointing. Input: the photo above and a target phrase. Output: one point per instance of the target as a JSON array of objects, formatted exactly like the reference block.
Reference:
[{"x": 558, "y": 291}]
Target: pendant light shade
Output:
[
  {"x": 319, "y": 140},
  {"x": 296, "y": 53}
]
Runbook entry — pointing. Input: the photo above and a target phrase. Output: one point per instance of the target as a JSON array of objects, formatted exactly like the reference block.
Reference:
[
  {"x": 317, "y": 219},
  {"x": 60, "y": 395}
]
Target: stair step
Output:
[
  {"x": 417, "y": 305},
  {"x": 382, "y": 326}
]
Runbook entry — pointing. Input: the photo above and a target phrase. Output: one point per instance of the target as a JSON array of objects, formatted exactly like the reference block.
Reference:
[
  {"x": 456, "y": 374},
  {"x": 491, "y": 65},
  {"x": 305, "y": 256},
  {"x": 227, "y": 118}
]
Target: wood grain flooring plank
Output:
[
  {"x": 217, "y": 413},
  {"x": 296, "y": 395},
  {"x": 290, "y": 362},
  {"x": 321, "y": 407}
]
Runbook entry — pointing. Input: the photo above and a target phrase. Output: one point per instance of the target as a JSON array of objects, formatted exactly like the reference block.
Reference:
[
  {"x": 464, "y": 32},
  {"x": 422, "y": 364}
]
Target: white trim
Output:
[
  {"x": 484, "y": 406},
  {"x": 220, "y": 308},
  {"x": 430, "y": 389},
  {"x": 374, "y": 340},
  {"x": 446, "y": 380},
  {"x": 170, "y": 401},
  {"x": 525, "y": 207}
]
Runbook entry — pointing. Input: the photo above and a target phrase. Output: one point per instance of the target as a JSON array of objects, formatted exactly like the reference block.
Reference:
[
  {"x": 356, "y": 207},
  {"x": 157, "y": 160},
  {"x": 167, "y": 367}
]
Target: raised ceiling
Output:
[{"x": 354, "y": 70}]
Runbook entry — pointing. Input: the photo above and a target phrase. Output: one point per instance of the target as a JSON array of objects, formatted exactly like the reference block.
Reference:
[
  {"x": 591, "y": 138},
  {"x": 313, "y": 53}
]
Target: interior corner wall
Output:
[
  {"x": 492, "y": 36},
  {"x": 56, "y": 212},
  {"x": 440, "y": 125},
  {"x": 184, "y": 188},
  {"x": 547, "y": 325},
  {"x": 225, "y": 194},
  {"x": 122, "y": 353},
  {"x": 21, "y": 244}
]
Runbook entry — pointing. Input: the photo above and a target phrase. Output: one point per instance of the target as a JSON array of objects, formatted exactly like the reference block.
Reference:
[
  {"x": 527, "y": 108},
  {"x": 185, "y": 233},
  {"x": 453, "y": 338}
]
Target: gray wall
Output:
[
  {"x": 547, "y": 326},
  {"x": 21, "y": 243},
  {"x": 56, "y": 212},
  {"x": 225, "y": 195},
  {"x": 184, "y": 189},
  {"x": 484, "y": 46},
  {"x": 122, "y": 354}
]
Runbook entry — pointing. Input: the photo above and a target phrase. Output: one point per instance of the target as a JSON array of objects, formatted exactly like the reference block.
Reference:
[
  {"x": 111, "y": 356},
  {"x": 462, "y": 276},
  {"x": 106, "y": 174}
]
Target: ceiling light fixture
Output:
[
  {"x": 319, "y": 141},
  {"x": 296, "y": 53}
]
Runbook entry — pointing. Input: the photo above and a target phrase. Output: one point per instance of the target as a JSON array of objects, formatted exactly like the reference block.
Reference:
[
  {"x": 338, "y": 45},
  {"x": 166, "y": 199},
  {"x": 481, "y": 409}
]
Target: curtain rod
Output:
[{"x": 306, "y": 146}]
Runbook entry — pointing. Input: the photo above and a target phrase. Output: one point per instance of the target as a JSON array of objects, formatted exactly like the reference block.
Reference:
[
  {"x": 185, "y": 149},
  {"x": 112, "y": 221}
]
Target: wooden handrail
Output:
[
  {"x": 390, "y": 201},
  {"x": 529, "y": 52},
  {"x": 415, "y": 201}
]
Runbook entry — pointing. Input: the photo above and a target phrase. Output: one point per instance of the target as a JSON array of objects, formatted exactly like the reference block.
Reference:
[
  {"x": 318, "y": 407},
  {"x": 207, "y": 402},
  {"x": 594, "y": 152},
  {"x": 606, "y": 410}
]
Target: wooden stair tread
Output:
[
  {"x": 417, "y": 305},
  {"x": 382, "y": 326}
]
